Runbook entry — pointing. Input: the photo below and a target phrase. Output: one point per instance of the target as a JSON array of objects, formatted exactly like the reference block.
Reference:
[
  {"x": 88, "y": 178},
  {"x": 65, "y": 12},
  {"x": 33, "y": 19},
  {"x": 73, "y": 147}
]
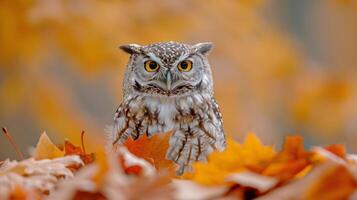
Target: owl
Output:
[{"x": 168, "y": 87}]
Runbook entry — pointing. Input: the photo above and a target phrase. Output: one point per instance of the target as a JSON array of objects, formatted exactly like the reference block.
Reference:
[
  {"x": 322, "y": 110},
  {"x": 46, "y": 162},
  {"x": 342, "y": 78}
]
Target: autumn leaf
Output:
[
  {"x": 337, "y": 149},
  {"x": 106, "y": 178},
  {"x": 290, "y": 161},
  {"x": 339, "y": 178},
  {"x": 41, "y": 176},
  {"x": 134, "y": 169},
  {"x": 253, "y": 180},
  {"x": 45, "y": 149},
  {"x": 153, "y": 149},
  {"x": 329, "y": 180},
  {"x": 237, "y": 157},
  {"x": 71, "y": 149}
]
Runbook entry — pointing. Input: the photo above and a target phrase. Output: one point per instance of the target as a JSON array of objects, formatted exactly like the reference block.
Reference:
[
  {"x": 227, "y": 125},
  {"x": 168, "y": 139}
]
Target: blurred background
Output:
[{"x": 280, "y": 66}]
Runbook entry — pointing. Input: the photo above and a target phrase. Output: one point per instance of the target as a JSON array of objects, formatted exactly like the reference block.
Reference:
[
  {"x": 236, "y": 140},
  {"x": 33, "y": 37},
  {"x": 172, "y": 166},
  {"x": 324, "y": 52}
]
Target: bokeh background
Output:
[{"x": 280, "y": 66}]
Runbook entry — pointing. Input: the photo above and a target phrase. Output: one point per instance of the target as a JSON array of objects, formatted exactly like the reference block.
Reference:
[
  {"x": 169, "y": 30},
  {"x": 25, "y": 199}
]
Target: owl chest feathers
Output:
[
  {"x": 139, "y": 115},
  {"x": 168, "y": 113},
  {"x": 165, "y": 111}
]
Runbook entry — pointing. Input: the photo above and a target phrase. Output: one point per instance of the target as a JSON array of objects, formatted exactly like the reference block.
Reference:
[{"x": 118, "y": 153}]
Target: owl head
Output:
[{"x": 168, "y": 69}]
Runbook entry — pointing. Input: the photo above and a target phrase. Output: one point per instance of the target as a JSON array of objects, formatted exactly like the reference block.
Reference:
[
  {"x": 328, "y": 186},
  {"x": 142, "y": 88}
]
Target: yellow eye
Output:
[
  {"x": 151, "y": 66},
  {"x": 185, "y": 66}
]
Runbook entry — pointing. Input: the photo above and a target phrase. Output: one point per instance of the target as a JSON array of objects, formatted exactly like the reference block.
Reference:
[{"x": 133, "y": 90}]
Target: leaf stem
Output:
[
  {"x": 12, "y": 142},
  {"x": 82, "y": 141}
]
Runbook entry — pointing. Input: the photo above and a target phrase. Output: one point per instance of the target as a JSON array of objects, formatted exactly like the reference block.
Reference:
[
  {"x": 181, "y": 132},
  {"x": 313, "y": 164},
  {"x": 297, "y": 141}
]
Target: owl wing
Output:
[
  {"x": 121, "y": 126},
  {"x": 132, "y": 119},
  {"x": 127, "y": 121},
  {"x": 221, "y": 140},
  {"x": 195, "y": 139}
]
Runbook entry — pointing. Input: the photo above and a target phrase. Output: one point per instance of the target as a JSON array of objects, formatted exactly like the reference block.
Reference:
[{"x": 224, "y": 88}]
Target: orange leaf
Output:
[
  {"x": 337, "y": 149},
  {"x": 22, "y": 193},
  {"x": 80, "y": 195},
  {"x": 336, "y": 183},
  {"x": 252, "y": 154},
  {"x": 18, "y": 193},
  {"x": 45, "y": 149},
  {"x": 71, "y": 149},
  {"x": 328, "y": 180},
  {"x": 290, "y": 161},
  {"x": 152, "y": 149},
  {"x": 134, "y": 169}
]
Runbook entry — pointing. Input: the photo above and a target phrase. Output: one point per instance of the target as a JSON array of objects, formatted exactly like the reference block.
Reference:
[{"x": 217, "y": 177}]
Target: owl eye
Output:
[
  {"x": 151, "y": 66},
  {"x": 185, "y": 66}
]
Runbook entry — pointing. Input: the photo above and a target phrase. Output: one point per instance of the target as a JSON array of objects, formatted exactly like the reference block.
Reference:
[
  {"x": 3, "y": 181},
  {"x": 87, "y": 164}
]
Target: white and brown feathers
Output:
[{"x": 171, "y": 100}]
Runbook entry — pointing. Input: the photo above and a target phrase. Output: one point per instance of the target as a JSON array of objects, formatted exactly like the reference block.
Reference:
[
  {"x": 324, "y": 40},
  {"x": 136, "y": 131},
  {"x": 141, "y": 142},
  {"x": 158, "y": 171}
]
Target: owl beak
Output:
[{"x": 168, "y": 80}]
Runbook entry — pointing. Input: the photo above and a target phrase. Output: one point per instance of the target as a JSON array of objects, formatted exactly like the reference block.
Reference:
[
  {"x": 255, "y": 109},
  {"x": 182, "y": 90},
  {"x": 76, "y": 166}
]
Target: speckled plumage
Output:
[
  {"x": 171, "y": 100},
  {"x": 167, "y": 52}
]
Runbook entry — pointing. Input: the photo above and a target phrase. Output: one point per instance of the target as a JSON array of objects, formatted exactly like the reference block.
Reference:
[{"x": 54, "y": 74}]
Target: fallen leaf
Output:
[
  {"x": 337, "y": 149},
  {"x": 186, "y": 189},
  {"x": 109, "y": 181},
  {"x": 335, "y": 183},
  {"x": 71, "y": 149},
  {"x": 290, "y": 161},
  {"x": 328, "y": 180},
  {"x": 157, "y": 187},
  {"x": 153, "y": 149},
  {"x": 40, "y": 175},
  {"x": 18, "y": 193},
  {"x": 45, "y": 149},
  {"x": 131, "y": 163},
  {"x": 252, "y": 154},
  {"x": 134, "y": 169},
  {"x": 253, "y": 180}
]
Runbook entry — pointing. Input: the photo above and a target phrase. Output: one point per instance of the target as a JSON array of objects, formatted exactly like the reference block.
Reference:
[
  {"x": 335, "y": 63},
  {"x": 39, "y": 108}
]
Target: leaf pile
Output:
[
  {"x": 138, "y": 170},
  {"x": 252, "y": 170}
]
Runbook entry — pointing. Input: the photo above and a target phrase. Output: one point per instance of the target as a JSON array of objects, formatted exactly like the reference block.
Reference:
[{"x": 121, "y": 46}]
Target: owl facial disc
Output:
[{"x": 168, "y": 68}]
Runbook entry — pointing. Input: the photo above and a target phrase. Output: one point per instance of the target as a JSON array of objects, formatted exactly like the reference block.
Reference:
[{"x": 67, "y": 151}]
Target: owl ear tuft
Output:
[
  {"x": 131, "y": 48},
  {"x": 204, "y": 48}
]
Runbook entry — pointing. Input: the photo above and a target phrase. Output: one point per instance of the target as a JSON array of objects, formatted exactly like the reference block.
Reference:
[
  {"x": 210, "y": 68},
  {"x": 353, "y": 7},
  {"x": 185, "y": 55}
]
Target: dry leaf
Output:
[
  {"x": 71, "y": 149},
  {"x": 252, "y": 154},
  {"x": 153, "y": 188},
  {"x": 329, "y": 180},
  {"x": 130, "y": 162},
  {"x": 153, "y": 150},
  {"x": 290, "y": 161},
  {"x": 113, "y": 182},
  {"x": 45, "y": 149},
  {"x": 186, "y": 189},
  {"x": 337, "y": 149},
  {"x": 41, "y": 175},
  {"x": 335, "y": 183},
  {"x": 253, "y": 180}
]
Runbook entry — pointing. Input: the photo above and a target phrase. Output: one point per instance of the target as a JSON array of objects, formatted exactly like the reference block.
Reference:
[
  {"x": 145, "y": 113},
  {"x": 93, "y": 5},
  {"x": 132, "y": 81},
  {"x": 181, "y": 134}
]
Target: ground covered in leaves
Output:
[{"x": 139, "y": 170}]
